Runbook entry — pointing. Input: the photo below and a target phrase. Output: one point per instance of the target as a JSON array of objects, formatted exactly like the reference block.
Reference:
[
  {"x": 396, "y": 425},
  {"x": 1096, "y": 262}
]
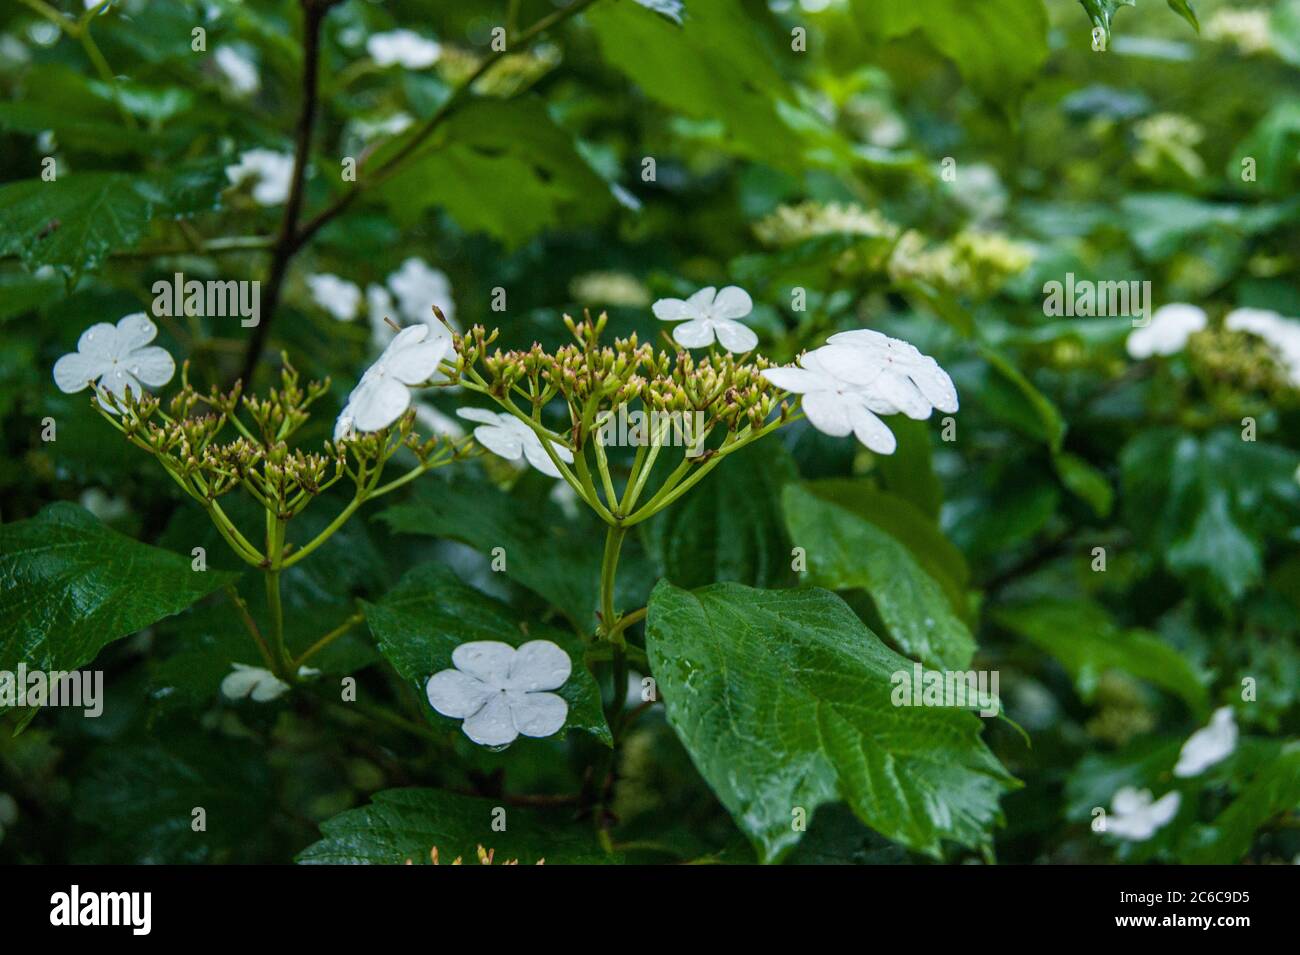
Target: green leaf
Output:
[
  {"x": 543, "y": 552},
  {"x": 1275, "y": 789},
  {"x": 723, "y": 530},
  {"x": 1003, "y": 391},
  {"x": 909, "y": 471},
  {"x": 429, "y": 613},
  {"x": 1184, "y": 9},
  {"x": 405, "y": 824},
  {"x": 997, "y": 45},
  {"x": 1088, "y": 643},
  {"x": 1084, "y": 481},
  {"x": 783, "y": 699},
  {"x": 138, "y": 798},
  {"x": 1207, "y": 505},
  {"x": 501, "y": 167},
  {"x": 1102, "y": 12},
  {"x": 711, "y": 67},
  {"x": 69, "y": 586},
  {"x": 846, "y": 549}
]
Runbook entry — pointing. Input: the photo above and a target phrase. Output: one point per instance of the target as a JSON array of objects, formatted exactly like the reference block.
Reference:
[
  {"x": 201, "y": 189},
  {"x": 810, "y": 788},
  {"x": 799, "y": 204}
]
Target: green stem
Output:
[
  {"x": 608, "y": 569},
  {"x": 326, "y": 640}
]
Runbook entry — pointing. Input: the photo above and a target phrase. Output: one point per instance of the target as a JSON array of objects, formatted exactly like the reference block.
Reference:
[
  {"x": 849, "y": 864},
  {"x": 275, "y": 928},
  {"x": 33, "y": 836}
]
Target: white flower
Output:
[
  {"x": 710, "y": 314},
  {"x": 116, "y": 358},
  {"x": 383, "y": 394},
  {"x": 860, "y": 375},
  {"x": 1209, "y": 745},
  {"x": 499, "y": 691},
  {"x": 337, "y": 296},
  {"x": 403, "y": 47},
  {"x": 391, "y": 125},
  {"x": 833, "y": 406},
  {"x": 1167, "y": 332},
  {"x": 504, "y": 434},
  {"x": 257, "y": 684},
  {"x": 418, "y": 288},
  {"x": 1134, "y": 816},
  {"x": 239, "y": 71},
  {"x": 1281, "y": 333},
  {"x": 273, "y": 172},
  {"x": 891, "y": 370},
  {"x": 103, "y": 505}
]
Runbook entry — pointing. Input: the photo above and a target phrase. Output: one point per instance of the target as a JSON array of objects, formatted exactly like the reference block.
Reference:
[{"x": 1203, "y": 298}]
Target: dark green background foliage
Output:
[{"x": 813, "y": 172}]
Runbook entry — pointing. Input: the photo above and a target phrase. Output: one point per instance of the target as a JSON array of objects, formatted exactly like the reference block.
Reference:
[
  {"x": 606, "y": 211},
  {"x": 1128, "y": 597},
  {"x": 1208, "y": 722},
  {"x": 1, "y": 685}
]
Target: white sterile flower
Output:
[
  {"x": 500, "y": 692},
  {"x": 239, "y": 71},
  {"x": 834, "y": 406},
  {"x": 1167, "y": 332},
  {"x": 1133, "y": 814},
  {"x": 505, "y": 435},
  {"x": 383, "y": 394},
  {"x": 116, "y": 358},
  {"x": 710, "y": 314},
  {"x": 337, "y": 296},
  {"x": 418, "y": 288},
  {"x": 257, "y": 684},
  {"x": 272, "y": 171},
  {"x": 890, "y": 370},
  {"x": 1209, "y": 745},
  {"x": 403, "y": 48}
]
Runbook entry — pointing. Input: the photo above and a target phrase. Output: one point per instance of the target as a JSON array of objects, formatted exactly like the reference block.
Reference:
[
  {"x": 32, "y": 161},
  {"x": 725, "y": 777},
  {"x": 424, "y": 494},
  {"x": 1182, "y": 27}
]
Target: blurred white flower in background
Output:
[
  {"x": 116, "y": 358},
  {"x": 505, "y": 435},
  {"x": 103, "y": 505},
  {"x": 1283, "y": 334},
  {"x": 239, "y": 71},
  {"x": 1133, "y": 814},
  {"x": 418, "y": 288},
  {"x": 1246, "y": 28},
  {"x": 383, "y": 394},
  {"x": 1209, "y": 745},
  {"x": 708, "y": 315},
  {"x": 337, "y": 296},
  {"x": 403, "y": 48},
  {"x": 391, "y": 125},
  {"x": 271, "y": 171},
  {"x": 1167, "y": 332},
  {"x": 500, "y": 692}
]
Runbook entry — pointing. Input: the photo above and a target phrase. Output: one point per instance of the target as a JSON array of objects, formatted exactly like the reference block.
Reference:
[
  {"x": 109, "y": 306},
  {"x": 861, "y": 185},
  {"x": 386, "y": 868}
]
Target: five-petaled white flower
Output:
[
  {"x": 1167, "y": 332},
  {"x": 337, "y": 296},
  {"x": 1208, "y": 745},
  {"x": 710, "y": 314},
  {"x": 500, "y": 692},
  {"x": 383, "y": 394},
  {"x": 257, "y": 684},
  {"x": 116, "y": 358},
  {"x": 505, "y": 435},
  {"x": 273, "y": 172},
  {"x": 403, "y": 48},
  {"x": 1133, "y": 814}
]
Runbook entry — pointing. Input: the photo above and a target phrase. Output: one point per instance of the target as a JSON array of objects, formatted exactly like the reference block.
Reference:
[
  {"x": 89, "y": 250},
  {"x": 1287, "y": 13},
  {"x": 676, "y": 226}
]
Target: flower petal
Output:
[
  {"x": 537, "y": 714},
  {"x": 700, "y": 305},
  {"x": 669, "y": 310},
  {"x": 697, "y": 333},
  {"x": 800, "y": 381},
  {"x": 828, "y": 412},
  {"x": 935, "y": 384},
  {"x": 117, "y": 380},
  {"x": 417, "y": 363},
  {"x": 99, "y": 340},
  {"x": 539, "y": 665},
  {"x": 456, "y": 694},
  {"x": 481, "y": 415},
  {"x": 76, "y": 370},
  {"x": 536, "y": 455},
  {"x": 732, "y": 302},
  {"x": 134, "y": 331},
  {"x": 154, "y": 366},
  {"x": 855, "y": 366},
  {"x": 489, "y": 660},
  {"x": 872, "y": 432},
  {"x": 500, "y": 441},
  {"x": 493, "y": 725},
  {"x": 735, "y": 337},
  {"x": 378, "y": 402}
]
